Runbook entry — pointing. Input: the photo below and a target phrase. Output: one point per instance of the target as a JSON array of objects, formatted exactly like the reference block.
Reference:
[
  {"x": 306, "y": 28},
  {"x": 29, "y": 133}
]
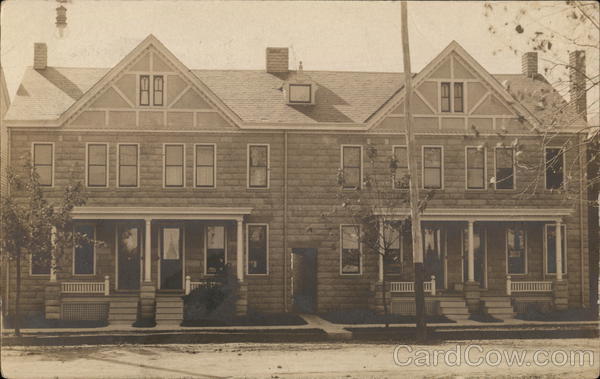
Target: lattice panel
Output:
[
  {"x": 408, "y": 308},
  {"x": 85, "y": 311}
]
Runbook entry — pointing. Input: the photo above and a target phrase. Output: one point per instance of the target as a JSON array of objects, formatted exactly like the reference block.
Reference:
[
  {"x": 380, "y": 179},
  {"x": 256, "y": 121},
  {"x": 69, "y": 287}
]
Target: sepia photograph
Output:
[{"x": 299, "y": 189}]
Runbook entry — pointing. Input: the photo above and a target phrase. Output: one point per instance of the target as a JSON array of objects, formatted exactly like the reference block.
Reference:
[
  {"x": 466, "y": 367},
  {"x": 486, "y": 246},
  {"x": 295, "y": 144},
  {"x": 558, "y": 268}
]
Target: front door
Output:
[
  {"x": 304, "y": 263},
  {"x": 479, "y": 244},
  {"x": 171, "y": 257},
  {"x": 128, "y": 256}
]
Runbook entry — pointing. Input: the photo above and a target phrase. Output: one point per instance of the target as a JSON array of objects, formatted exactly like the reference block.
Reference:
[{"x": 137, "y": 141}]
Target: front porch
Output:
[
  {"x": 144, "y": 261},
  {"x": 492, "y": 262}
]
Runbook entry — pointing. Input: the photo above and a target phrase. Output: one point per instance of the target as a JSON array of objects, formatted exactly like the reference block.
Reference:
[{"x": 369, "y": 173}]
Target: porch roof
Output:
[
  {"x": 482, "y": 214},
  {"x": 160, "y": 213}
]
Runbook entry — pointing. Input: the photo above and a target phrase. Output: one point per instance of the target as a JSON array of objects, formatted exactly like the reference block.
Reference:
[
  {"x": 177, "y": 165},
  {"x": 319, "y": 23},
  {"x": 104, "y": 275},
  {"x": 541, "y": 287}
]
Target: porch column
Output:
[
  {"x": 558, "y": 250},
  {"x": 471, "y": 253},
  {"x": 148, "y": 251},
  {"x": 240, "y": 250},
  {"x": 381, "y": 250}
]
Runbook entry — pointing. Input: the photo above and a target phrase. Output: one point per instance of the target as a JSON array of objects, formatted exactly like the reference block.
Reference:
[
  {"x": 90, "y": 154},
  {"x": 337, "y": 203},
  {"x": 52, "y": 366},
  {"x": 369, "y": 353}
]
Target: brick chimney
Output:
[
  {"x": 40, "y": 56},
  {"x": 529, "y": 64},
  {"x": 277, "y": 60},
  {"x": 577, "y": 78}
]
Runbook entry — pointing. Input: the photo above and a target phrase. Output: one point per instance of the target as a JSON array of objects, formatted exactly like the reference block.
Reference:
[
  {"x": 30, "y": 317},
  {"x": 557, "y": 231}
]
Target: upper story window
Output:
[
  {"x": 43, "y": 162},
  {"x": 554, "y": 167},
  {"x": 206, "y": 165},
  {"x": 258, "y": 249},
  {"x": 151, "y": 90},
  {"x": 400, "y": 177},
  {"x": 452, "y": 97},
  {"x": 433, "y": 167},
  {"x": 174, "y": 165},
  {"x": 475, "y": 168},
  {"x": 258, "y": 166},
  {"x": 516, "y": 250},
  {"x": 128, "y": 165},
  {"x": 505, "y": 168},
  {"x": 350, "y": 262},
  {"x": 300, "y": 93},
  {"x": 97, "y": 165},
  {"x": 352, "y": 166}
]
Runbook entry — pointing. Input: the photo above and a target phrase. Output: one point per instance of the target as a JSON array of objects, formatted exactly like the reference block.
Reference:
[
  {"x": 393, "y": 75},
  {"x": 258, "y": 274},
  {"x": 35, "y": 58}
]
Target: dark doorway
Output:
[
  {"x": 171, "y": 257},
  {"x": 304, "y": 261},
  {"x": 128, "y": 256}
]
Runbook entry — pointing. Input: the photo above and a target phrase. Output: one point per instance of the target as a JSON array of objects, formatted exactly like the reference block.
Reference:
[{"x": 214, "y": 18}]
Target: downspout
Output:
[
  {"x": 582, "y": 183},
  {"x": 285, "y": 212}
]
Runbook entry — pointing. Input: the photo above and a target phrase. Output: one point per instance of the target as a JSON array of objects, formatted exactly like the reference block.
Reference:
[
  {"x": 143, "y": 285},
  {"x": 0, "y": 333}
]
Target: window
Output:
[
  {"x": 475, "y": 168},
  {"x": 258, "y": 247},
  {"x": 352, "y": 166},
  {"x": 393, "y": 258},
  {"x": 554, "y": 168},
  {"x": 516, "y": 250},
  {"x": 215, "y": 249},
  {"x": 432, "y": 167},
  {"x": 550, "y": 246},
  {"x": 458, "y": 97},
  {"x": 128, "y": 165},
  {"x": 43, "y": 161},
  {"x": 205, "y": 165},
  {"x": 300, "y": 93},
  {"x": 152, "y": 84},
  {"x": 401, "y": 176},
  {"x": 445, "y": 97},
  {"x": 40, "y": 263},
  {"x": 350, "y": 249},
  {"x": 171, "y": 243},
  {"x": 144, "y": 90},
  {"x": 258, "y": 166},
  {"x": 505, "y": 168},
  {"x": 158, "y": 90},
  {"x": 83, "y": 254},
  {"x": 452, "y": 97},
  {"x": 97, "y": 165},
  {"x": 174, "y": 166}
]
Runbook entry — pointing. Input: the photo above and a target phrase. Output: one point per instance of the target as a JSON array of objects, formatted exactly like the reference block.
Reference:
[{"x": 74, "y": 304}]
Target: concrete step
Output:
[
  {"x": 165, "y": 311},
  {"x": 461, "y": 311}
]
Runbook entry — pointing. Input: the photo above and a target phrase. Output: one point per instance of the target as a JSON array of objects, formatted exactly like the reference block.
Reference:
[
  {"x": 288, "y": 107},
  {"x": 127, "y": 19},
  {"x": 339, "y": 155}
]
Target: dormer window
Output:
[
  {"x": 151, "y": 84},
  {"x": 300, "y": 94}
]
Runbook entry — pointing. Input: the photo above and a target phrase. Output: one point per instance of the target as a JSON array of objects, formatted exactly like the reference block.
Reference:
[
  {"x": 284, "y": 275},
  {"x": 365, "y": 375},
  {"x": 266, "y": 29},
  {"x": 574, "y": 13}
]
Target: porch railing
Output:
[
  {"x": 87, "y": 287},
  {"x": 527, "y": 286},
  {"x": 409, "y": 287},
  {"x": 190, "y": 286}
]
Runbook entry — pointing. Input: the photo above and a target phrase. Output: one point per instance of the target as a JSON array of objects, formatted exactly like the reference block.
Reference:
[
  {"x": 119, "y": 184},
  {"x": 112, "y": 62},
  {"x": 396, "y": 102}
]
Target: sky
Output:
[{"x": 347, "y": 36}]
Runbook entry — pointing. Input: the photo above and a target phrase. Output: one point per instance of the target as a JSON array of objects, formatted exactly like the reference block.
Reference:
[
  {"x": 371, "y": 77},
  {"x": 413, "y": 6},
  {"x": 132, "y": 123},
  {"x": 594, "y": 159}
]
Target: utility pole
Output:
[{"x": 417, "y": 244}]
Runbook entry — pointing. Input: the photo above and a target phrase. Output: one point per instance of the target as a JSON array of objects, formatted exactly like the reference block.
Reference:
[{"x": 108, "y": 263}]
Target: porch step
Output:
[
  {"x": 499, "y": 307},
  {"x": 454, "y": 309},
  {"x": 169, "y": 310},
  {"x": 123, "y": 310}
]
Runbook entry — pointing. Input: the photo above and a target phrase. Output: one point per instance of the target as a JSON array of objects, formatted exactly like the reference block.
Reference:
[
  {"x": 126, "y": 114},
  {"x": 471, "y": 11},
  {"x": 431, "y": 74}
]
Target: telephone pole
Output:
[{"x": 417, "y": 244}]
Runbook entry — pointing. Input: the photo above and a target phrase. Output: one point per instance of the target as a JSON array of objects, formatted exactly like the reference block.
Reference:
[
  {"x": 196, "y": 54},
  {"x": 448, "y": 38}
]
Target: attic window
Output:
[
  {"x": 300, "y": 94},
  {"x": 151, "y": 85}
]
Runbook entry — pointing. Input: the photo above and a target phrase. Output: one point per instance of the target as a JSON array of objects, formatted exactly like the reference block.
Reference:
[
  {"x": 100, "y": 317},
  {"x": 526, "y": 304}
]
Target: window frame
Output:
[
  {"x": 341, "y": 251},
  {"x": 137, "y": 145},
  {"x": 394, "y": 176},
  {"x": 268, "y": 167},
  {"x": 52, "y": 161},
  {"x": 214, "y": 146},
  {"x": 564, "y": 165},
  {"x": 361, "y": 168},
  {"x": 441, "y": 147},
  {"x": 87, "y": 164},
  {"x": 564, "y": 251},
  {"x": 526, "y": 268},
  {"x": 451, "y": 93},
  {"x": 514, "y": 168},
  {"x": 310, "y": 95},
  {"x": 183, "y": 165},
  {"x": 485, "y": 174},
  {"x": 140, "y": 90},
  {"x": 151, "y": 91},
  {"x": 94, "y": 253},
  {"x": 248, "y": 248},
  {"x": 155, "y": 91},
  {"x": 225, "y": 244}
]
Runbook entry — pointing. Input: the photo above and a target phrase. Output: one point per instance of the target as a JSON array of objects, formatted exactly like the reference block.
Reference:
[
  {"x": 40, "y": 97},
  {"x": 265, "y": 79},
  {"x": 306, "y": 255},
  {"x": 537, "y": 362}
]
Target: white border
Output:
[
  {"x": 485, "y": 173},
  {"x": 248, "y": 249},
  {"x": 53, "y": 159},
  {"x": 442, "y": 168},
  {"x": 360, "y": 181},
  {"x": 118, "y": 164},
  {"x": 183, "y": 167},
  {"x": 565, "y": 251},
  {"x": 360, "y": 255},
  {"x": 87, "y": 156},
  {"x": 93, "y": 247},
  {"x": 248, "y": 146},
  {"x": 214, "y": 145}
]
